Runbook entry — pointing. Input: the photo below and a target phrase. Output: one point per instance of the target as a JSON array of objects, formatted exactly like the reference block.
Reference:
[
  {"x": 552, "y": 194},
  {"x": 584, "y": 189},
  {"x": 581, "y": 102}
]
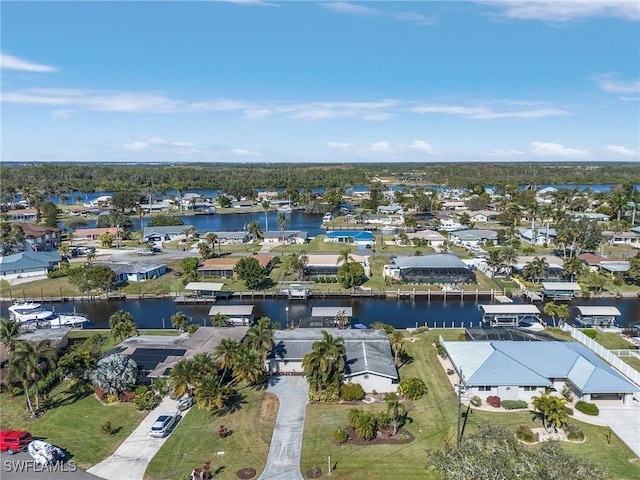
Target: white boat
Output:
[
  {"x": 285, "y": 209},
  {"x": 29, "y": 312},
  {"x": 44, "y": 453},
  {"x": 327, "y": 217},
  {"x": 389, "y": 230},
  {"x": 67, "y": 320}
]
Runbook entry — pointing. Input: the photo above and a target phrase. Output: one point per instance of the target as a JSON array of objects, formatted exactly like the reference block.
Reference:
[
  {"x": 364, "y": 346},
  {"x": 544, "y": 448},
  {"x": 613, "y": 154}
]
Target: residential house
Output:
[
  {"x": 598, "y": 217},
  {"x": 164, "y": 234},
  {"x": 223, "y": 267},
  {"x": 321, "y": 265},
  {"x": 136, "y": 271},
  {"x": 483, "y": 216},
  {"x": 537, "y": 236},
  {"x": 368, "y": 358},
  {"x": 454, "y": 205},
  {"x": 230, "y": 238},
  {"x": 93, "y": 234},
  {"x": 380, "y": 219},
  {"x": 438, "y": 268},
  {"x": 390, "y": 209},
  {"x": 40, "y": 237},
  {"x": 621, "y": 238},
  {"x": 514, "y": 370},
  {"x": 28, "y": 264},
  {"x": 432, "y": 237},
  {"x": 22, "y": 215},
  {"x": 288, "y": 237},
  {"x": 351, "y": 237},
  {"x": 474, "y": 237}
]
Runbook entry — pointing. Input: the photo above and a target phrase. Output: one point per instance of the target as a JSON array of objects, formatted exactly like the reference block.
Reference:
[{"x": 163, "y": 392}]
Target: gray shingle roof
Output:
[{"x": 368, "y": 351}]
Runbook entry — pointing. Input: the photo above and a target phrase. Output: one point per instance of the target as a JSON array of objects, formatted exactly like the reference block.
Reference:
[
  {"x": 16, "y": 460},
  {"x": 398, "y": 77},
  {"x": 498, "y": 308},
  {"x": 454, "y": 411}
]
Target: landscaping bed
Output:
[{"x": 402, "y": 437}]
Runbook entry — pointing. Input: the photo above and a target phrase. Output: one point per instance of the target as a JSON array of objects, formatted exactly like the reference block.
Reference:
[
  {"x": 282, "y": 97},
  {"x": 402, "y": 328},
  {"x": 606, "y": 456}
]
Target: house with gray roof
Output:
[
  {"x": 136, "y": 271},
  {"x": 474, "y": 237},
  {"x": 438, "y": 268},
  {"x": 368, "y": 357},
  {"x": 290, "y": 237},
  {"x": 28, "y": 264},
  {"x": 514, "y": 370},
  {"x": 537, "y": 236},
  {"x": 164, "y": 233}
]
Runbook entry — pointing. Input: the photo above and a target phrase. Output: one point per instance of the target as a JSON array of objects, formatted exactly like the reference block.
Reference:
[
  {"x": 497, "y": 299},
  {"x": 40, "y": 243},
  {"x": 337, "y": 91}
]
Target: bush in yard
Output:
[
  {"x": 494, "y": 401},
  {"x": 476, "y": 401},
  {"x": 441, "y": 351},
  {"x": 112, "y": 398},
  {"x": 351, "y": 391},
  {"x": 587, "y": 408},
  {"x": 145, "y": 400},
  {"x": 412, "y": 388},
  {"x": 568, "y": 410},
  {"x": 574, "y": 433},
  {"x": 590, "y": 332},
  {"x": 525, "y": 434},
  {"x": 127, "y": 396},
  {"x": 340, "y": 435},
  {"x": 514, "y": 404},
  {"x": 108, "y": 429}
]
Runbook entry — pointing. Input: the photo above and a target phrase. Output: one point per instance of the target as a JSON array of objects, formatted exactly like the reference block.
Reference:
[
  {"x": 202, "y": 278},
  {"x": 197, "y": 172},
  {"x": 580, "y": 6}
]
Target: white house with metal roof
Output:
[
  {"x": 368, "y": 357},
  {"x": 515, "y": 370},
  {"x": 474, "y": 237}
]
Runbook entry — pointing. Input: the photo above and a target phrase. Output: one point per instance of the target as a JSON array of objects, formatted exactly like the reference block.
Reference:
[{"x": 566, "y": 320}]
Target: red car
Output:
[{"x": 13, "y": 441}]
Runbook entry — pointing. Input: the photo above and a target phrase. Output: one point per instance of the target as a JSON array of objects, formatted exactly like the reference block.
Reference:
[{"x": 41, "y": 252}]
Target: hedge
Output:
[
  {"x": 514, "y": 404},
  {"x": 587, "y": 408}
]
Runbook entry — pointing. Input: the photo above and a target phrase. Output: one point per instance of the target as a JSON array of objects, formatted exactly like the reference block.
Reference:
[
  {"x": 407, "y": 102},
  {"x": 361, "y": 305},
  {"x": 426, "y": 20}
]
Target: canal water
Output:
[{"x": 403, "y": 313}]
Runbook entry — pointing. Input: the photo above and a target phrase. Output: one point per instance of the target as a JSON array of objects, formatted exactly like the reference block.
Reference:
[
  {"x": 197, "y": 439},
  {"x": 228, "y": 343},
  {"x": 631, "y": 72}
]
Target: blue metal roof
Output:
[{"x": 355, "y": 234}]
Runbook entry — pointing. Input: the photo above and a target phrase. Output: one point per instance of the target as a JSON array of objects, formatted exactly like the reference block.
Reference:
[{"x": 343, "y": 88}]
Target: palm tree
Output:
[
  {"x": 212, "y": 238},
  {"x": 536, "y": 269},
  {"x": 225, "y": 353},
  {"x": 494, "y": 261},
  {"x": 395, "y": 409},
  {"x": 19, "y": 370},
  {"x": 254, "y": 230},
  {"x": 37, "y": 358},
  {"x": 509, "y": 257},
  {"x": 180, "y": 321},
  {"x": 259, "y": 337},
  {"x": 91, "y": 256},
  {"x": 182, "y": 377},
  {"x": 341, "y": 320},
  {"x": 204, "y": 250},
  {"x": 550, "y": 309},
  {"x": 248, "y": 366},
  {"x": 211, "y": 394},
  {"x": 265, "y": 206},
  {"x": 282, "y": 224},
  {"x": 324, "y": 365},
  {"x": 299, "y": 263},
  {"x": 345, "y": 256},
  {"x": 572, "y": 266},
  {"x": 563, "y": 312},
  {"x": 9, "y": 333},
  {"x": 220, "y": 320},
  {"x": 114, "y": 373},
  {"x": 551, "y": 409},
  {"x": 397, "y": 343},
  {"x": 122, "y": 325}
]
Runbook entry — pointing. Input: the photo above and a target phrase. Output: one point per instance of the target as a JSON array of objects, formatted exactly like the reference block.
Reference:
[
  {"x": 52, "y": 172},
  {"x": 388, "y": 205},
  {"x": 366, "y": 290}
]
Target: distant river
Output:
[{"x": 405, "y": 313}]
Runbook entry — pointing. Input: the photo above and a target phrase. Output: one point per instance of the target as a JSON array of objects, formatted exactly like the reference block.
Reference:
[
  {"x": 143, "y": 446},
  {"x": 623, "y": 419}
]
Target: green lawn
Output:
[
  {"x": 613, "y": 341},
  {"x": 74, "y": 424},
  {"x": 433, "y": 420},
  {"x": 195, "y": 440}
]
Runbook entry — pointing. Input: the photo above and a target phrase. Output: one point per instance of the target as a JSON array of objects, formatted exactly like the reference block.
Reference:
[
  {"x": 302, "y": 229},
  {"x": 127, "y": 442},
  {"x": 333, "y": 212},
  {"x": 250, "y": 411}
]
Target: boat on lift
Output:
[
  {"x": 29, "y": 312},
  {"x": 66, "y": 320}
]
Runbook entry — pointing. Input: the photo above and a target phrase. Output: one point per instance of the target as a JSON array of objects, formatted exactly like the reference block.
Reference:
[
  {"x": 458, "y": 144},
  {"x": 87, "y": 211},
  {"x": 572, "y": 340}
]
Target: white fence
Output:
[{"x": 624, "y": 368}]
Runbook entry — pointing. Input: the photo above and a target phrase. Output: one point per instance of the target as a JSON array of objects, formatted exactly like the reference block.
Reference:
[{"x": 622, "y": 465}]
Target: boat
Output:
[
  {"x": 285, "y": 209},
  {"x": 44, "y": 453},
  {"x": 360, "y": 326},
  {"x": 327, "y": 217},
  {"x": 29, "y": 312},
  {"x": 67, "y": 320}
]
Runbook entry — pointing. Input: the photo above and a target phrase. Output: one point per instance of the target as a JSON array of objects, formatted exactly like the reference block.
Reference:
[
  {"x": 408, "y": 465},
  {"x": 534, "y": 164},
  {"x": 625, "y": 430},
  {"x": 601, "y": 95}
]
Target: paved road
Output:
[
  {"x": 625, "y": 422},
  {"x": 286, "y": 443},
  {"x": 130, "y": 460}
]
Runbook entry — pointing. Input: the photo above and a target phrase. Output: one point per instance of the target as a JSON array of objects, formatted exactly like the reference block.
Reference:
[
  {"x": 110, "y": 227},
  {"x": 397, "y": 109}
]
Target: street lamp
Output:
[{"x": 286, "y": 309}]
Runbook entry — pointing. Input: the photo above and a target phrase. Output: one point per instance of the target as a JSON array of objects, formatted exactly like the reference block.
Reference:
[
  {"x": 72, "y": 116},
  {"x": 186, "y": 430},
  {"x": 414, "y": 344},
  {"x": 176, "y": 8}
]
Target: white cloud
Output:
[
  {"x": 381, "y": 147},
  {"x": 554, "y": 11},
  {"x": 548, "y": 149},
  {"x": 419, "y": 146},
  {"x": 620, "y": 150},
  {"x": 609, "y": 83},
  {"x": 9, "y": 62},
  {"x": 359, "y": 9},
  {"x": 504, "y": 153},
  {"x": 244, "y": 153},
  {"x": 486, "y": 113}
]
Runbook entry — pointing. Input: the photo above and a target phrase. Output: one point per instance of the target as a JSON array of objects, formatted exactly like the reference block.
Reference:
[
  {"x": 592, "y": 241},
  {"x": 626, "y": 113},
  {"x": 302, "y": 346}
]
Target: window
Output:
[
  {"x": 529, "y": 388},
  {"x": 484, "y": 388}
]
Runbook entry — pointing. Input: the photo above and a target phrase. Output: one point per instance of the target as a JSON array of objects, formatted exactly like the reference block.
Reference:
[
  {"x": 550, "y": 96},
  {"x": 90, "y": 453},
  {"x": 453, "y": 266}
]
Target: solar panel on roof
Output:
[{"x": 149, "y": 358}]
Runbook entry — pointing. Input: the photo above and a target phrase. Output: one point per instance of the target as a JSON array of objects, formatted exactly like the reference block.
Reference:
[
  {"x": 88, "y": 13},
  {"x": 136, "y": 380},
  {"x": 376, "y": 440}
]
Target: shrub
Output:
[
  {"x": 57, "y": 273},
  {"x": 145, "y": 401},
  {"x": 587, "y": 408},
  {"x": 351, "y": 392},
  {"x": 382, "y": 326},
  {"x": 412, "y": 388},
  {"x": 590, "y": 332},
  {"x": 494, "y": 401},
  {"x": 525, "y": 434},
  {"x": 340, "y": 435},
  {"x": 574, "y": 433},
  {"x": 112, "y": 398},
  {"x": 191, "y": 329},
  {"x": 141, "y": 389},
  {"x": 568, "y": 411},
  {"x": 441, "y": 351},
  {"x": 127, "y": 396},
  {"x": 566, "y": 393},
  {"x": 450, "y": 371},
  {"x": 476, "y": 401},
  {"x": 101, "y": 394},
  {"x": 514, "y": 404},
  {"x": 108, "y": 429}
]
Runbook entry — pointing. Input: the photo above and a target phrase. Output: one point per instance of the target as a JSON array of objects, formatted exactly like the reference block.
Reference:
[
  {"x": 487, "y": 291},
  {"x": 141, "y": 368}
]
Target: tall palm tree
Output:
[
  {"x": 299, "y": 263},
  {"x": 204, "y": 364},
  {"x": 19, "y": 370},
  {"x": 282, "y": 224},
  {"x": 211, "y": 239},
  {"x": 550, "y": 309},
  {"x": 259, "y": 337},
  {"x": 345, "y": 256},
  {"x": 397, "y": 343},
  {"x": 180, "y": 321},
  {"x": 509, "y": 257},
  {"x": 254, "y": 230},
  {"x": 572, "y": 266},
  {"x": 395, "y": 409},
  {"x": 324, "y": 365},
  {"x": 494, "y": 261},
  {"x": 210, "y": 394},
  {"x": 37, "y": 358},
  {"x": 248, "y": 366},
  {"x": 122, "y": 325},
  {"x": 182, "y": 377},
  {"x": 225, "y": 353},
  {"x": 9, "y": 333},
  {"x": 265, "y": 206}
]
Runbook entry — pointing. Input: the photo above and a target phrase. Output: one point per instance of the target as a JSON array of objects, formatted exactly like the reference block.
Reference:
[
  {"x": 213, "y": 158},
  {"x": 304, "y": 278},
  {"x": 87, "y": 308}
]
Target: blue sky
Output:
[{"x": 258, "y": 81}]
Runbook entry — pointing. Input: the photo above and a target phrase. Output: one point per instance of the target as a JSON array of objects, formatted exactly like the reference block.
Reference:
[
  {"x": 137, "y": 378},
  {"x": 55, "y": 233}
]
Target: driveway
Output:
[
  {"x": 625, "y": 422},
  {"x": 286, "y": 442},
  {"x": 130, "y": 460}
]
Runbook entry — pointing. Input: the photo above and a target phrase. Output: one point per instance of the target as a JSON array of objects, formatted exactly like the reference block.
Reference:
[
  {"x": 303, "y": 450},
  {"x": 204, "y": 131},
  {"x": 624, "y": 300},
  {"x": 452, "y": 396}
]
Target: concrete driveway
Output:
[
  {"x": 625, "y": 422},
  {"x": 286, "y": 443},
  {"x": 130, "y": 460}
]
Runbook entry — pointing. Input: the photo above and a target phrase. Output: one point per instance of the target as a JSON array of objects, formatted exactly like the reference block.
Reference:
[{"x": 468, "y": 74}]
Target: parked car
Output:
[
  {"x": 13, "y": 441},
  {"x": 145, "y": 251},
  {"x": 185, "y": 402},
  {"x": 164, "y": 424}
]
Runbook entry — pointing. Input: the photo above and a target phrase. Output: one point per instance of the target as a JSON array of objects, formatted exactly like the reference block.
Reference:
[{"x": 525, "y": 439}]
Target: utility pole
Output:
[{"x": 459, "y": 410}]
